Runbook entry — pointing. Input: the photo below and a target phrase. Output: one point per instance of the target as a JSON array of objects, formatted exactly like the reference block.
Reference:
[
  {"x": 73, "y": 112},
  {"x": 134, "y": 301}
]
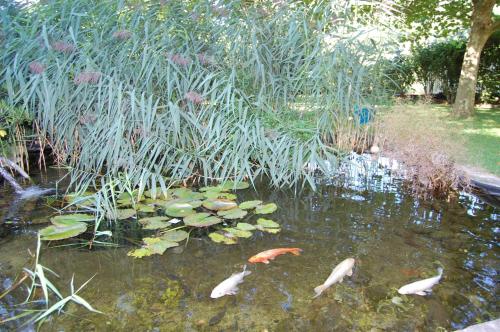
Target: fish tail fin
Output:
[
  {"x": 245, "y": 272},
  {"x": 318, "y": 290},
  {"x": 296, "y": 251}
]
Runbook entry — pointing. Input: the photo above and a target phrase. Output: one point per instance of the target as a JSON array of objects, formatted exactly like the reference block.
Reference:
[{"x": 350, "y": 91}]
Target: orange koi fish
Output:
[{"x": 266, "y": 256}]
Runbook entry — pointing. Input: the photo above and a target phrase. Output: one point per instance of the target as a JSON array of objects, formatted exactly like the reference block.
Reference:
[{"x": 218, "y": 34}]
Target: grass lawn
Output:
[{"x": 480, "y": 134}]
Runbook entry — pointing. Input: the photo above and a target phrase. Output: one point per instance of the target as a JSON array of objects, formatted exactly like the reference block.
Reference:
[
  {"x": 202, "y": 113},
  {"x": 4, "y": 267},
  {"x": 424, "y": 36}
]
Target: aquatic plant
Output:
[{"x": 176, "y": 91}]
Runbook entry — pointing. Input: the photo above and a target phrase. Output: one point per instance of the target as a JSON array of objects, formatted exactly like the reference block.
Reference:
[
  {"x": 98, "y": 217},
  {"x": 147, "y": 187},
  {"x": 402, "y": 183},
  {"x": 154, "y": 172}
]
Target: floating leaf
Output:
[
  {"x": 231, "y": 185},
  {"x": 139, "y": 253},
  {"x": 194, "y": 203},
  {"x": 232, "y": 214},
  {"x": 205, "y": 222},
  {"x": 219, "y": 204},
  {"x": 175, "y": 236},
  {"x": 217, "y": 194},
  {"x": 145, "y": 208},
  {"x": 52, "y": 233},
  {"x": 268, "y": 230},
  {"x": 158, "y": 195},
  {"x": 249, "y": 205},
  {"x": 266, "y": 209},
  {"x": 245, "y": 227},
  {"x": 187, "y": 194},
  {"x": 195, "y": 217},
  {"x": 267, "y": 223},
  {"x": 122, "y": 214},
  {"x": 158, "y": 245},
  {"x": 69, "y": 219},
  {"x": 157, "y": 222},
  {"x": 238, "y": 232},
  {"x": 211, "y": 188},
  {"x": 179, "y": 210},
  {"x": 225, "y": 238}
]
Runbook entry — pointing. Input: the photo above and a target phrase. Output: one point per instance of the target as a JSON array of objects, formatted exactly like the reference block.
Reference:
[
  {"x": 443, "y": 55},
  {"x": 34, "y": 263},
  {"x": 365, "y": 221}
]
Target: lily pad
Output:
[
  {"x": 267, "y": 223},
  {"x": 211, "y": 188},
  {"x": 266, "y": 209},
  {"x": 249, "y": 205},
  {"x": 232, "y": 214},
  {"x": 175, "y": 236},
  {"x": 139, "y": 253},
  {"x": 122, "y": 214},
  {"x": 225, "y": 238},
  {"x": 179, "y": 210},
  {"x": 157, "y": 195},
  {"x": 219, "y": 204},
  {"x": 217, "y": 194},
  {"x": 238, "y": 232},
  {"x": 194, "y": 203},
  {"x": 158, "y": 245},
  {"x": 187, "y": 194},
  {"x": 69, "y": 219},
  {"x": 268, "y": 230},
  {"x": 245, "y": 227},
  {"x": 145, "y": 208},
  {"x": 232, "y": 185},
  {"x": 152, "y": 223},
  {"x": 205, "y": 222},
  {"x": 72, "y": 229}
]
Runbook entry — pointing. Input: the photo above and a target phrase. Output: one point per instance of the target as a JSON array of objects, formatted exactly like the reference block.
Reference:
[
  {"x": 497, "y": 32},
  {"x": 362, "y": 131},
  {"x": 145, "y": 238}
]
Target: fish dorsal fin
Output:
[
  {"x": 422, "y": 293},
  {"x": 349, "y": 273}
]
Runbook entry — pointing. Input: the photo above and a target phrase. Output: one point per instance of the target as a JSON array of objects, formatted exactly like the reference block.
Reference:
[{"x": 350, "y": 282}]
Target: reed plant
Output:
[{"x": 160, "y": 92}]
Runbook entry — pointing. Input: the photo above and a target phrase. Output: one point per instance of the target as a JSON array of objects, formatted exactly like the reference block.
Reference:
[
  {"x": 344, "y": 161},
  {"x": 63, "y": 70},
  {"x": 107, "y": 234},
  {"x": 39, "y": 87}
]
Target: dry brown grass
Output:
[{"x": 427, "y": 151}]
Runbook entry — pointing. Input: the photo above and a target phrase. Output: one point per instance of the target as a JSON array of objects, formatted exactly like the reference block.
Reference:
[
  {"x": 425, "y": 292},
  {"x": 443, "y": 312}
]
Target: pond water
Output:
[{"x": 394, "y": 238}]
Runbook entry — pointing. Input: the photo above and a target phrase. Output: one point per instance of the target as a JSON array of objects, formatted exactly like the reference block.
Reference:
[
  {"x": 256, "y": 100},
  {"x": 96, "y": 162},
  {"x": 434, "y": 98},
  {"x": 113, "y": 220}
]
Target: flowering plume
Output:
[
  {"x": 63, "y": 47},
  {"x": 178, "y": 59},
  {"x": 205, "y": 59},
  {"x": 36, "y": 67},
  {"x": 194, "y": 97},
  {"x": 87, "y": 77},
  {"x": 122, "y": 34}
]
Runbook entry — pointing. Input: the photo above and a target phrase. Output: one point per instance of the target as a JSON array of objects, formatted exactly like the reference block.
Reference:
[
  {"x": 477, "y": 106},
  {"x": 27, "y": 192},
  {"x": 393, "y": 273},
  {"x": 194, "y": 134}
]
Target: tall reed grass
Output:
[{"x": 159, "y": 92}]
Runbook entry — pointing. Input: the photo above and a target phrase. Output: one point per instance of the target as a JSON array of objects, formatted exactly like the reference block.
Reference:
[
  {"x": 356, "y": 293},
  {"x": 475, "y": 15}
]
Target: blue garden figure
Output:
[{"x": 364, "y": 114}]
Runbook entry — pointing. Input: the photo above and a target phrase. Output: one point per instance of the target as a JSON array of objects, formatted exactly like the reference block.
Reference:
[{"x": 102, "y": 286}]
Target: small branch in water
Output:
[
  {"x": 14, "y": 286},
  {"x": 6, "y": 175},
  {"x": 16, "y": 167}
]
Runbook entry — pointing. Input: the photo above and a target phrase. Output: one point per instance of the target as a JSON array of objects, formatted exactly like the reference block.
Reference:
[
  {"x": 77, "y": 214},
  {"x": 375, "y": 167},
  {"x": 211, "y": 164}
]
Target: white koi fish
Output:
[
  {"x": 337, "y": 275},
  {"x": 421, "y": 287},
  {"x": 230, "y": 285}
]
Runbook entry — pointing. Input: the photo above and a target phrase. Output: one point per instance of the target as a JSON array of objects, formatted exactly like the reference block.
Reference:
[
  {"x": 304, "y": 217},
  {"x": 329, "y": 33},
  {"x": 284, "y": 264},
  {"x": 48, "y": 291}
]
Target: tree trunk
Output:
[{"x": 481, "y": 29}]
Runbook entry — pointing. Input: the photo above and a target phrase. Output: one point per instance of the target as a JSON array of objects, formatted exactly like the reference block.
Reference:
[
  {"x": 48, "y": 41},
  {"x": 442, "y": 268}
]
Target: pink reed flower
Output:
[
  {"x": 87, "y": 77},
  {"x": 122, "y": 34},
  {"x": 205, "y": 59},
  {"x": 36, "y": 67},
  {"x": 63, "y": 47},
  {"x": 194, "y": 97},
  {"x": 178, "y": 59}
]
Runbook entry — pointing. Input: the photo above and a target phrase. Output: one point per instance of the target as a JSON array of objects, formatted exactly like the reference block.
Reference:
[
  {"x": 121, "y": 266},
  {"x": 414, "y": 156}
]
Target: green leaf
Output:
[
  {"x": 268, "y": 230},
  {"x": 187, "y": 194},
  {"x": 211, "y": 188},
  {"x": 245, "y": 227},
  {"x": 145, "y": 208},
  {"x": 267, "y": 223},
  {"x": 152, "y": 223},
  {"x": 219, "y": 204},
  {"x": 231, "y": 185},
  {"x": 122, "y": 214},
  {"x": 232, "y": 214},
  {"x": 52, "y": 233},
  {"x": 238, "y": 232},
  {"x": 249, "y": 205},
  {"x": 158, "y": 245},
  {"x": 205, "y": 222},
  {"x": 179, "y": 210},
  {"x": 139, "y": 253},
  {"x": 216, "y": 194},
  {"x": 69, "y": 219},
  {"x": 225, "y": 238},
  {"x": 175, "y": 236},
  {"x": 266, "y": 209}
]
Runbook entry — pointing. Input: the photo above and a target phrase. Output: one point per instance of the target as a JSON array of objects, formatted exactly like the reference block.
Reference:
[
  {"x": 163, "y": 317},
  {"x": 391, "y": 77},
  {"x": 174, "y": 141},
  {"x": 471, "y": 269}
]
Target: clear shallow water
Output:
[{"x": 395, "y": 239}]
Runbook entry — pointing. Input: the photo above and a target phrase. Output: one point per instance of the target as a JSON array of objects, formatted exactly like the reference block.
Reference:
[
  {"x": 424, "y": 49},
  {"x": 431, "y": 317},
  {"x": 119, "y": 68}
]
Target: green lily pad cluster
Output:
[
  {"x": 65, "y": 226},
  {"x": 213, "y": 207}
]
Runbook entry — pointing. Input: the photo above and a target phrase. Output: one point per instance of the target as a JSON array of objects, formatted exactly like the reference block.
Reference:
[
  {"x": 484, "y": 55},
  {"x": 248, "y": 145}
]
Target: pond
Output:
[{"x": 395, "y": 239}]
